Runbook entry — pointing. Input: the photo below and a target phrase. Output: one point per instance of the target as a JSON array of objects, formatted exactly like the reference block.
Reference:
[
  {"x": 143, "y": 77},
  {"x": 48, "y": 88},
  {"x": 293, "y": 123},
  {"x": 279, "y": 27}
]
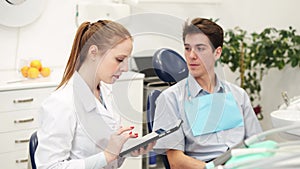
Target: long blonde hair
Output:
[{"x": 104, "y": 34}]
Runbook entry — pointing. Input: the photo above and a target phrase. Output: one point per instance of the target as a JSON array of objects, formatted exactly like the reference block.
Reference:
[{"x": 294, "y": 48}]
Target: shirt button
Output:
[{"x": 220, "y": 135}]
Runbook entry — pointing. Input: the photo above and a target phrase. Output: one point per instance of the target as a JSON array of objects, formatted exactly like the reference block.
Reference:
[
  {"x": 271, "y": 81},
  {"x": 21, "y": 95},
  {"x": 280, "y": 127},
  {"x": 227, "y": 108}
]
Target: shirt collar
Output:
[
  {"x": 219, "y": 88},
  {"x": 83, "y": 92},
  {"x": 106, "y": 88},
  {"x": 196, "y": 89}
]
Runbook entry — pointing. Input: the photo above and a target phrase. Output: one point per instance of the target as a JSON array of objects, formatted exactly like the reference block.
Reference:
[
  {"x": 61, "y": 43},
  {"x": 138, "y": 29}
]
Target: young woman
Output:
[{"x": 79, "y": 126}]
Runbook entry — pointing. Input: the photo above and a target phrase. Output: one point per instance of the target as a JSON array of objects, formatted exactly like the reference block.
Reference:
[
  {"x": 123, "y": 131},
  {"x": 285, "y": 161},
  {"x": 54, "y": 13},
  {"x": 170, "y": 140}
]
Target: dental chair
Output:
[
  {"x": 170, "y": 67},
  {"x": 33, "y": 143}
]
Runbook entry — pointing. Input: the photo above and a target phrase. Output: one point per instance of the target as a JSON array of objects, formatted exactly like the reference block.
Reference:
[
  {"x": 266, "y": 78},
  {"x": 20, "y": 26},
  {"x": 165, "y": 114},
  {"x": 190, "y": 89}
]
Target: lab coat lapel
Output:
[{"x": 87, "y": 113}]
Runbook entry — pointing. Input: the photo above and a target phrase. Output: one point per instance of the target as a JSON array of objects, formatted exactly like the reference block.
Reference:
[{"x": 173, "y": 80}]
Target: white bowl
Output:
[{"x": 285, "y": 117}]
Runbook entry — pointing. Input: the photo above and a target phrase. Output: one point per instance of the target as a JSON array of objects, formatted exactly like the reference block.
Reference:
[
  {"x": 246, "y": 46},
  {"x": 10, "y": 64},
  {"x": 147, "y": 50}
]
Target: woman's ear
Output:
[
  {"x": 218, "y": 53},
  {"x": 93, "y": 51}
]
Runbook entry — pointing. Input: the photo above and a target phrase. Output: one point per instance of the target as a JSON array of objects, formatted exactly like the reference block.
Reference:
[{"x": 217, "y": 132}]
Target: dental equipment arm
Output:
[
  {"x": 270, "y": 162},
  {"x": 253, "y": 139},
  {"x": 261, "y": 136},
  {"x": 224, "y": 157}
]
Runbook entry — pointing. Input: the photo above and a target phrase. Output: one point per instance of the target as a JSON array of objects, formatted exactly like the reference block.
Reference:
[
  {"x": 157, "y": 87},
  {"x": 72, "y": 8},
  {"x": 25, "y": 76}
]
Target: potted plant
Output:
[{"x": 252, "y": 55}]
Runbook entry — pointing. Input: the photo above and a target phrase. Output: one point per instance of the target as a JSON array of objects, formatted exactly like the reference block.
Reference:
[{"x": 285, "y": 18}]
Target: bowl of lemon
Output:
[{"x": 35, "y": 69}]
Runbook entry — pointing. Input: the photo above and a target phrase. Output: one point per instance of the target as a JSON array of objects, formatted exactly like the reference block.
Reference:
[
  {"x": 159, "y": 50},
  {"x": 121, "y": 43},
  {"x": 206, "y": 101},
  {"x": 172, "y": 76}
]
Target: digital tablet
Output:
[{"x": 136, "y": 143}]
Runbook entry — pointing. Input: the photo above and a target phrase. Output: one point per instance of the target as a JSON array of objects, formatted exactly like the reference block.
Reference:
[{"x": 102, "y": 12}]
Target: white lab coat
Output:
[{"x": 75, "y": 126}]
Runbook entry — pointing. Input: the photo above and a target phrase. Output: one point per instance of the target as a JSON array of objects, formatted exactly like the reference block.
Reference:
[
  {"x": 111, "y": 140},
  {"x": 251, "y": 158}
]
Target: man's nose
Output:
[{"x": 193, "y": 54}]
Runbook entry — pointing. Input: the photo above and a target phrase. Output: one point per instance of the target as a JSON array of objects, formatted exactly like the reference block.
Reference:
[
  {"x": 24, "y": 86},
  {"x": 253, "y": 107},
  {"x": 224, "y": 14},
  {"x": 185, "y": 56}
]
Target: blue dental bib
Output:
[{"x": 212, "y": 113}]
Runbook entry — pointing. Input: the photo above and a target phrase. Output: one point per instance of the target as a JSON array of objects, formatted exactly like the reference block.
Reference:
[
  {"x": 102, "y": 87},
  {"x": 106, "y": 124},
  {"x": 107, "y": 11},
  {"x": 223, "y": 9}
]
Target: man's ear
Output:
[
  {"x": 217, "y": 53},
  {"x": 93, "y": 51}
]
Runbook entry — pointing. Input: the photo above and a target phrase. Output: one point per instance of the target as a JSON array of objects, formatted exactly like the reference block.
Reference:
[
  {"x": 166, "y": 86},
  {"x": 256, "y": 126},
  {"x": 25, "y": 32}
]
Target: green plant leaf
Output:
[{"x": 271, "y": 48}]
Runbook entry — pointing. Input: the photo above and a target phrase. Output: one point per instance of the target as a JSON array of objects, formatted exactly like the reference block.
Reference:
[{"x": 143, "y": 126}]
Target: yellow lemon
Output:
[
  {"x": 24, "y": 71},
  {"x": 37, "y": 64},
  {"x": 33, "y": 72},
  {"x": 45, "y": 72}
]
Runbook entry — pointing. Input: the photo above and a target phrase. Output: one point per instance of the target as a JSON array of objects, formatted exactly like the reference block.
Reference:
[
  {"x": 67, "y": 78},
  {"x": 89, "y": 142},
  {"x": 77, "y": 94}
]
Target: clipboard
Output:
[{"x": 136, "y": 143}]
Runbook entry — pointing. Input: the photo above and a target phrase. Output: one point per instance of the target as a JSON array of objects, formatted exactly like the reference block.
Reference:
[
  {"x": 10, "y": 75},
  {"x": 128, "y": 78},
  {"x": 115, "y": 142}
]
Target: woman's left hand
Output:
[{"x": 143, "y": 150}]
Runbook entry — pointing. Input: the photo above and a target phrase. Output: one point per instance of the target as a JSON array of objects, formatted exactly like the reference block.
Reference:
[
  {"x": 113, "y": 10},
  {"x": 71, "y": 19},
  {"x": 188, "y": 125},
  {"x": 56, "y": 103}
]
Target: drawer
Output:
[
  {"x": 23, "y": 99},
  {"x": 14, "y": 160},
  {"x": 18, "y": 120},
  {"x": 15, "y": 141}
]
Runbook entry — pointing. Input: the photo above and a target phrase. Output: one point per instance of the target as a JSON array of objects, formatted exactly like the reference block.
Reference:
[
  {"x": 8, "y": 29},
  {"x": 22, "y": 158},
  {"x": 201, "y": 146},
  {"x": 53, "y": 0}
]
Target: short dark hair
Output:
[{"x": 213, "y": 31}]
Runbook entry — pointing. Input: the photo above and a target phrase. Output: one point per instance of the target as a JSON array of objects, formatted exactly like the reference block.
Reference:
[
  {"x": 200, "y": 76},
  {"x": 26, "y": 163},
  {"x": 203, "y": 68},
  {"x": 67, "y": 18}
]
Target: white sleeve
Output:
[
  {"x": 252, "y": 125},
  {"x": 96, "y": 161},
  {"x": 55, "y": 136},
  {"x": 166, "y": 115}
]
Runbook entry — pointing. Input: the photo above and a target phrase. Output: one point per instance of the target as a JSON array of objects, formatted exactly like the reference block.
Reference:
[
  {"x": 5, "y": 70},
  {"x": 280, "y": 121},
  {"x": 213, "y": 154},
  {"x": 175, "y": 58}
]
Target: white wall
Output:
[
  {"x": 254, "y": 15},
  {"x": 50, "y": 37}
]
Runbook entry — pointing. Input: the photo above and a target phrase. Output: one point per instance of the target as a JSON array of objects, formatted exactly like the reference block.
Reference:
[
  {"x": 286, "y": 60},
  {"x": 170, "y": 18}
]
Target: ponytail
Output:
[
  {"x": 73, "y": 62},
  {"x": 104, "y": 34}
]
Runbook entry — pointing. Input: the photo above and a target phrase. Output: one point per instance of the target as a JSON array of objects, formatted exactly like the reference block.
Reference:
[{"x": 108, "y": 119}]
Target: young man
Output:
[{"x": 217, "y": 115}]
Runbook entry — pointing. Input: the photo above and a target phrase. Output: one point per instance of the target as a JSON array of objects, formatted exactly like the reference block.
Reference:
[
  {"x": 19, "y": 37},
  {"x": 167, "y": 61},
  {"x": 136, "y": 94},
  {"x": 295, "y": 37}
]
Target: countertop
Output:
[{"x": 13, "y": 80}]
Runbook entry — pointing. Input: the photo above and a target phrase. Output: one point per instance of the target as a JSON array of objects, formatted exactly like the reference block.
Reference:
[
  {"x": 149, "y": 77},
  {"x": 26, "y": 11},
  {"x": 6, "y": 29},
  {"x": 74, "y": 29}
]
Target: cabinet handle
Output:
[
  {"x": 22, "y": 141},
  {"x": 22, "y": 161},
  {"x": 23, "y": 100},
  {"x": 24, "y": 120}
]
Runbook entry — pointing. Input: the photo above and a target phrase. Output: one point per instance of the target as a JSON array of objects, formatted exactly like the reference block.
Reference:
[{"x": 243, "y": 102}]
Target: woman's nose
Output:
[{"x": 124, "y": 65}]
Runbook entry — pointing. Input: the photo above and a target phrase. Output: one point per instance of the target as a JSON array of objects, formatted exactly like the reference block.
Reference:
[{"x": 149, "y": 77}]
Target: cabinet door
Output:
[
  {"x": 15, "y": 141},
  {"x": 23, "y": 99},
  {"x": 128, "y": 96},
  {"x": 18, "y": 120},
  {"x": 14, "y": 160}
]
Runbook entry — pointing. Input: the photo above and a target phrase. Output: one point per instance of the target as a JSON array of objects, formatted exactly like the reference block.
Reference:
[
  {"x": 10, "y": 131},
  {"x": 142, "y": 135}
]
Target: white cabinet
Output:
[
  {"x": 128, "y": 95},
  {"x": 20, "y": 101},
  {"x": 19, "y": 104}
]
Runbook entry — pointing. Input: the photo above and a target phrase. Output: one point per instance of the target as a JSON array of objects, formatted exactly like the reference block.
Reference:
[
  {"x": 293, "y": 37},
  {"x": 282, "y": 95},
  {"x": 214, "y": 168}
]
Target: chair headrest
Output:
[{"x": 169, "y": 66}]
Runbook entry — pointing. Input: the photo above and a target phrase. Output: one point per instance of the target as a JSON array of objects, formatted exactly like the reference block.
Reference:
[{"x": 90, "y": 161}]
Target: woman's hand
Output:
[
  {"x": 116, "y": 142},
  {"x": 143, "y": 150}
]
